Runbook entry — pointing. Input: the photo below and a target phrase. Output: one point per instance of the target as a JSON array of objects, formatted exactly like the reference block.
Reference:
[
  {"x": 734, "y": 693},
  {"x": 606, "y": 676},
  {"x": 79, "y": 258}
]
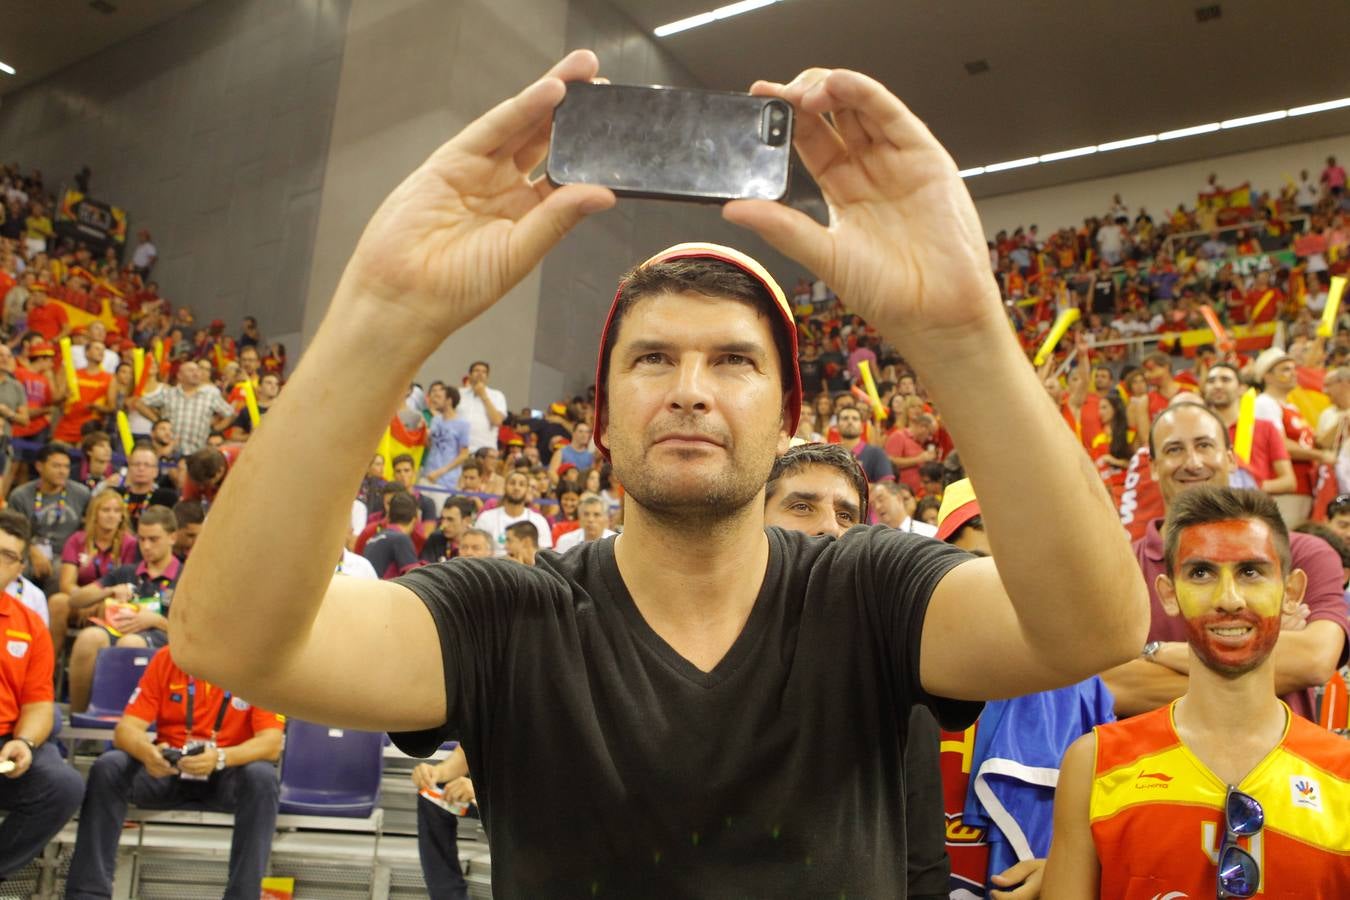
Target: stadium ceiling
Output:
[
  {"x": 41, "y": 37},
  {"x": 1048, "y": 76}
]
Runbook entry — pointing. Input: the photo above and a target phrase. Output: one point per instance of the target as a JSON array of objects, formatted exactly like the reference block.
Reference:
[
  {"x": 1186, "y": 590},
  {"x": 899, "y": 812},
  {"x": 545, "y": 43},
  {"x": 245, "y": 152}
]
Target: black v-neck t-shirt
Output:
[{"x": 607, "y": 765}]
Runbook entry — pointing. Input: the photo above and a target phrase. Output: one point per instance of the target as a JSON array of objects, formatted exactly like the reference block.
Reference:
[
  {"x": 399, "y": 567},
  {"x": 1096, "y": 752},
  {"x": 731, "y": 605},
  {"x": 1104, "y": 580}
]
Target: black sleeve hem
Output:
[{"x": 422, "y": 744}]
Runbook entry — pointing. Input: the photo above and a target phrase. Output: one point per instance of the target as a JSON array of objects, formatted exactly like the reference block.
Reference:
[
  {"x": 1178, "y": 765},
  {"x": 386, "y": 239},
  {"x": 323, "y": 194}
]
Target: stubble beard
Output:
[{"x": 718, "y": 500}]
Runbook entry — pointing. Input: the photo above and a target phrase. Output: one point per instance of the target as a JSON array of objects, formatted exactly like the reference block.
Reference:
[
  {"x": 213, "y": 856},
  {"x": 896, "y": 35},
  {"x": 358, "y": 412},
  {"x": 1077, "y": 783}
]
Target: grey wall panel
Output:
[{"x": 212, "y": 130}]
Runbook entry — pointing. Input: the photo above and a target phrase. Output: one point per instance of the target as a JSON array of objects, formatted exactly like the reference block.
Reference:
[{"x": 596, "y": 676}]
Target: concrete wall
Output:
[
  {"x": 1158, "y": 189},
  {"x": 212, "y": 131}
]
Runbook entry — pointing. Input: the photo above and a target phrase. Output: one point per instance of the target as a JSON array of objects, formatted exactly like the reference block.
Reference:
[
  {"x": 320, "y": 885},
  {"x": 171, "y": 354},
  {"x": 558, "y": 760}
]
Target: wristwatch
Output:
[
  {"x": 1151, "y": 650},
  {"x": 220, "y": 758},
  {"x": 32, "y": 745}
]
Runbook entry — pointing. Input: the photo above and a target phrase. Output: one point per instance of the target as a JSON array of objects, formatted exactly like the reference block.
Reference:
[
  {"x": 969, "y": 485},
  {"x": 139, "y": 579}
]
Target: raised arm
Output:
[
  {"x": 1065, "y": 598},
  {"x": 451, "y": 240}
]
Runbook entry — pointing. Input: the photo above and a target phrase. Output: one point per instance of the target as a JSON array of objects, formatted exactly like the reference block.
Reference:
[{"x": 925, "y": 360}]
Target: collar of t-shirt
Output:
[{"x": 170, "y": 573}]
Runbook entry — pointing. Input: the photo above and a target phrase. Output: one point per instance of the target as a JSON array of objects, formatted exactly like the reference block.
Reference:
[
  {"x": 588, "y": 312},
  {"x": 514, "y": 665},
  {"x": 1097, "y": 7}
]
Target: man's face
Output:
[
  {"x": 470, "y": 480},
  {"x": 1155, "y": 374},
  {"x": 405, "y": 474},
  {"x": 452, "y": 522},
  {"x": 475, "y": 546},
  {"x": 850, "y": 424},
  {"x": 269, "y": 388},
  {"x": 1221, "y": 388},
  {"x": 594, "y": 519},
  {"x": 815, "y": 499},
  {"x": 93, "y": 354},
  {"x": 189, "y": 374},
  {"x": 162, "y": 433},
  {"x": 248, "y": 360},
  {"x": 1340, "y": 523},
  {"x": 513, "y": 546},
  {"x": 1191, "y": 452},
  {"x": 517, "y": 487},
  {"x": 695, "y": 404},
  {"x": 156, "y": 544},
  {"x": 99, "y": 456},
  {"x": 7, "y": 362},
  {"x": 581, "y": 435},
  {"x": 921, "y": 430},
  {"x": 1229, "y": 588},
  {"x": 478, "y": 374},
  {"x": 1284, "y": 375},
  {"x": 11, "y": 557},
  {"x": 1101, "y": 380},
  {"x": 142, "y": 469},
  {"x": 216, "y": 440},
  {"x": 55, "y": 471}
]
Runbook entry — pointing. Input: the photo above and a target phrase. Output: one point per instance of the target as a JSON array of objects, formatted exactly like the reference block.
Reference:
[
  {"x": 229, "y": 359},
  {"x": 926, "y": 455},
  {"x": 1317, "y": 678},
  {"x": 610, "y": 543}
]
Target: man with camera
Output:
[
  {"x": 211, "y": 749},
  {"x": 694, "y": 668}
]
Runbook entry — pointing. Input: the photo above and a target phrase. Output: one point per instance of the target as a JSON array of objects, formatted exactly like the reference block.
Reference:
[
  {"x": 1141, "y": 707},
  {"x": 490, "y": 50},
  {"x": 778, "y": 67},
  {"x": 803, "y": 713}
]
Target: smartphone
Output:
[{"x": 672, "y": 143}]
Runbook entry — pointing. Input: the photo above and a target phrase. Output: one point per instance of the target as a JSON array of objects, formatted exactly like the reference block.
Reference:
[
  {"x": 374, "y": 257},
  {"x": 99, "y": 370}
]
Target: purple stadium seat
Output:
[
  {"x": 117, "y": 671},
  {"x": 330, "y": 771}
]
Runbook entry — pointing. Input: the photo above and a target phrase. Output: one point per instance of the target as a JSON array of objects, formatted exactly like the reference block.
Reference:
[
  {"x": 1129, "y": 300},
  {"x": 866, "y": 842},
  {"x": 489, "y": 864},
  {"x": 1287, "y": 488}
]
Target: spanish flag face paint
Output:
[{"x": 780, "y": 315}]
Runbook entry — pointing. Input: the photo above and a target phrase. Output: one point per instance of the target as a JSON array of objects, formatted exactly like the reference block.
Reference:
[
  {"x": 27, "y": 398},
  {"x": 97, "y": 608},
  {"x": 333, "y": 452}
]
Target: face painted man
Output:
[{"x": 1233, "y": 789}]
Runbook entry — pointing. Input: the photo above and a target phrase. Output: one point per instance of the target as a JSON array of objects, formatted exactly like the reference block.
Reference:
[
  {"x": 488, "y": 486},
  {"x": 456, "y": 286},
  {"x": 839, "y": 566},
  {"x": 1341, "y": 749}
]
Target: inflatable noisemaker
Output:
[
  {"x": 1327, "y": 327},
  {"x": 1061, "y": 327},
  {"x": 878, "y": 408},
  {"x": 138, "y": 372},
  {"x": 250, "y": 401},
  {"x": 1222, "y": 340},
  {"x": 124, "y": 431},
  {"x": 1246, "y": 426},
  {"x": 68, "y": 363}
]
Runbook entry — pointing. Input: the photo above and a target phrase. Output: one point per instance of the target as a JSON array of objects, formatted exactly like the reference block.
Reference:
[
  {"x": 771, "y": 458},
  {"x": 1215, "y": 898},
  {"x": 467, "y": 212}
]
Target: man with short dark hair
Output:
[
  {"x": 405, "y": 473},
  {"x": 457, "y": 516},
  {"x": 1190, "y": 449},
  {"x": 206, "y": 470},
  {"x": 39, "y": 792},
  {"x": 1275, "y": 371},
  {"x": 190, "y": 517},
  {"x": 522, "y": 542},
  {"x": 513, "y": 509},
  {"x": 697, "y": 619},
  {"x": 483, "y": 407},
  {"x": 54, "y": 506},
  {"x": 1268, "y": 467},
  {"x": 447, "y": 441},
  {"x": 140, "y": 485},
  {"x": 910, "y": 447},
  {"x": 1226, "y": 774},
  {"x": 877, "y": 467},
  {"x": 390, "y": 550}
]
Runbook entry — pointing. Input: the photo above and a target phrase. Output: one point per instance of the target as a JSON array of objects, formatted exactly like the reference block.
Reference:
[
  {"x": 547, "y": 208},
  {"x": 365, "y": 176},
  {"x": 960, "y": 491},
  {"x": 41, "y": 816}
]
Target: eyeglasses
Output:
[{"x": 1239, "y": 874}]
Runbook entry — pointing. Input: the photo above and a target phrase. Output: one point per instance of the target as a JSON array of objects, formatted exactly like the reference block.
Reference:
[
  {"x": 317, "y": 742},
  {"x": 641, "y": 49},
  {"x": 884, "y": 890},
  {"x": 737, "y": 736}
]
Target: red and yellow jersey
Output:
[
  {"x": 967, "y": 845},
  {"x": 1157, "y": 813}
]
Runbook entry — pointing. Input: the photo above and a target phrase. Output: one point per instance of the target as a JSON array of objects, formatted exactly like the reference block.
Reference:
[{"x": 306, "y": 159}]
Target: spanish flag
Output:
[{"x": 403, "y": 436}]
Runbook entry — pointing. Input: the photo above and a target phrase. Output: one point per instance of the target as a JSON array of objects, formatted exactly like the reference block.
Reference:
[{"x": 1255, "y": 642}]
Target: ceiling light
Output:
[
  {"x": 1319, "y": 107},
  {"x": 1067, "y": 154},
  {"x": 1189, "y": 132},
  {"x": 970, "y": 173},
  {"x": 7, "y": 68},
  {"x": 1012, "y": 164},
  {"x": 707, "y": 18},
  {"x": 1127, "y": 142},
  {"x": 1256, "y": 119}
]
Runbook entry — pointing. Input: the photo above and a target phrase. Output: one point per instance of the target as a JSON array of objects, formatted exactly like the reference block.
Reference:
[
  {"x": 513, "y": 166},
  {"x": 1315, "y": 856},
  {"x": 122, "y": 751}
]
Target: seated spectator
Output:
[
  {"x": 438, "y": 827},
  {"x": 54, "y": 507},
  {"x": 1243, "y": 773},
  {"x": 926, "y": 511},
  {"x": 105, "y": 542},
  {"x": 522, "y": 542},
  {"x": 190, "y": 517},
  {"x": 148, "y": 585},
  {"x": 165, "y": 442},
  {"x": 910, "y": 447},
  {"x": 513, "y": 509},
  {"x": 577, "y": 453},
  {"x": 206, "y": 471},
  {"x": 492, "y": 481},
  {"x": 470, "y": 477},
  {"x": 475, "y": 543},
  {"x": 1189, "y": 449},
  {"x": 13, "y": 411},
  {"x": 390, "y": 550},
  {"x": 40, "y": 793},
  {"x": 405, "y": 473},
  {"x": 209, "y": 748},
  {"x": 593, "y": 516},
  {"x": 96, "y": 459},
  {"x": 457, "y": 516},
  {"x": 873, "y": 459},
  {"x": 891, "y": 503},
  {"x": 140, "y": 485},
  {"x": 569, "y": 495},
  {"x": 932, "y": 480}
]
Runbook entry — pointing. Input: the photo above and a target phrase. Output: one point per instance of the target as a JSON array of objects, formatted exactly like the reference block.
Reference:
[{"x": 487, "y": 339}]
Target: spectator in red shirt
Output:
[
  {"x": 225, "y": 750},
  {"x": 104, "y": 543},
  {"x": 206, "y": 471},
  {"x": 1264, "y": 301},
  {"x": 1269, "y": 467},
  {"x": 41, "y": 792},
  {"x": 1276, "y": 372},
  {"x": 93, "y": 401},
  {"x": 1157, "y": 369},
  {"x": 910, "y": 447},
  {"x": 46, "y": 317}
]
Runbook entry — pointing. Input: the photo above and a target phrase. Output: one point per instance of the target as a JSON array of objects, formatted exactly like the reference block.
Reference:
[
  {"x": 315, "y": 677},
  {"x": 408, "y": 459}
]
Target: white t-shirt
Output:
[
  {"x": 576, "y": 537},
  {"x": 482, "y": 433},
  {"x": 31, "y": 596},
  {"x": 110, "y": 361},
  {"x": 495, "y": 521},
  {"x": 356, "y": 566},
  {"x": 914, "y": 526},
  {"x": 144, "y": 255},
  {"x": 359, "y": 516},
  {"x": 1309, "y": 192},
  {"x": 1268, "y": 408}
]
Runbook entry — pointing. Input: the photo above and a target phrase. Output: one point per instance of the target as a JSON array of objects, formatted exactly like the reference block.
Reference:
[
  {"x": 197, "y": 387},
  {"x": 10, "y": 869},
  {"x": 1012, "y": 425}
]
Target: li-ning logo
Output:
[
  {"x": 1304, "y": 792},
  {"x": 1152, "y": 780}
]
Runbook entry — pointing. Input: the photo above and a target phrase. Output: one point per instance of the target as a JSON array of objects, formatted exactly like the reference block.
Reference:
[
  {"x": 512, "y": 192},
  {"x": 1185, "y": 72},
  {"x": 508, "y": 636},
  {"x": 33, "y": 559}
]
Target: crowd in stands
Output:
[{"x": 122, "y": 418}]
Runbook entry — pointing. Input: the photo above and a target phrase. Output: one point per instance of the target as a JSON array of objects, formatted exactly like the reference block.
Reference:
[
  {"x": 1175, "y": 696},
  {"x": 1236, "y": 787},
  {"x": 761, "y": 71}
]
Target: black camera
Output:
[{"x": 172, "y": 754}]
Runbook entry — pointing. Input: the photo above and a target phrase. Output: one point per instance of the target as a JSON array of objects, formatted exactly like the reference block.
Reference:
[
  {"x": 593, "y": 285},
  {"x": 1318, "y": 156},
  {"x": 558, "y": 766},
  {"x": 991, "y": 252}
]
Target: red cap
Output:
[
  {"x": 751, "y": 267},
  {"x": 217, "y": 324},
  {"x": 42, "y": 348},
  {"x": 565, "y": 468}
]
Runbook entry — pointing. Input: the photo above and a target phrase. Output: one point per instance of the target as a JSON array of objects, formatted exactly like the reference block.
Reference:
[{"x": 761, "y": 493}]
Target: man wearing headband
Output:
[
  {"x": 692, "y": 687},
  {"x": 1225, "y": 784}
]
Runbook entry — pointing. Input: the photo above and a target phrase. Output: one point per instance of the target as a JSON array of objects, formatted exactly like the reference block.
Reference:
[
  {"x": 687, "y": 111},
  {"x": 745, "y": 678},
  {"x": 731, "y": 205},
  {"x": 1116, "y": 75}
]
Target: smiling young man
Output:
[
  {"x": 1189, "y": 449},
  {"x": 1153, "y": 806},
  {"x": 692, "y": 667}
]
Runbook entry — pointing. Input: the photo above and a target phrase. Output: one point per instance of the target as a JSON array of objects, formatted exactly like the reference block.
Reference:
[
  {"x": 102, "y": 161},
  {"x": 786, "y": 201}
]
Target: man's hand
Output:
[
  {"x": 460, "y": 231},
  {"x": 155, "y": 763},
  {"x": 424, "y": 777},
  {"x": 199, "y": 764},
  {"x": 42, "y": 566},
  {"x": 134, "y": 623},
  {"x": 460, "y": 791},
  {"x": 904, "y": 247},
  {"x": 18, "y": 753},
  {"x": 123, "y": 593},
  {"x": 1296, "y": 620},
  {"x": 1027, "y": 874}
]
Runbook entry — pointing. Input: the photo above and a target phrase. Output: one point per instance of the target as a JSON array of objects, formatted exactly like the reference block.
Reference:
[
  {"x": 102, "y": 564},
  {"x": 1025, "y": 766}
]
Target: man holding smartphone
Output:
[{"x": 691, "y": 687}]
